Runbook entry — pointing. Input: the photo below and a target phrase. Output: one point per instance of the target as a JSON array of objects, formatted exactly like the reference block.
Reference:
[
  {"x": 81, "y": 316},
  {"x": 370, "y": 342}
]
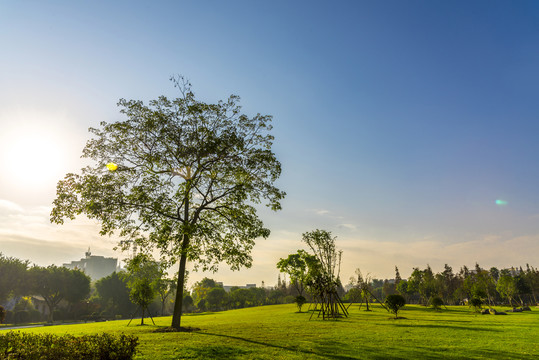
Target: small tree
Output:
[
  {"x": 394, "y": 303},
  {"x": 476, "y": 303},
  {"x": 300, "y": 301},
  {"x": 436, "y": 303},
  {"x": 143, "y": 273},
  {"x": 324, "y": 277},
  {"x": 164, "y": 288},
  {"x": 296, "y": 266},
  {"x": 363, "y": 284}
]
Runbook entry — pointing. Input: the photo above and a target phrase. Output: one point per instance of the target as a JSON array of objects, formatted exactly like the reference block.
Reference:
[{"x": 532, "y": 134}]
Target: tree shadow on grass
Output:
[
  {"x": 331, "y": 349},
  {"x": 201, "y": 314},
  {"x": 213, "y": 352},
  {"x": 321, "y": 349},
  {"x": 433, "y": 326}
]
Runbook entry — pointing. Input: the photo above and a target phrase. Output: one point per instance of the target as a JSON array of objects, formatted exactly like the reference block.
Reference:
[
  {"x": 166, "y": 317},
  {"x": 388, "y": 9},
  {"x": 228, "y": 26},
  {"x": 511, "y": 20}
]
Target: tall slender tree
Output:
[{"x": 184, "y": 178}]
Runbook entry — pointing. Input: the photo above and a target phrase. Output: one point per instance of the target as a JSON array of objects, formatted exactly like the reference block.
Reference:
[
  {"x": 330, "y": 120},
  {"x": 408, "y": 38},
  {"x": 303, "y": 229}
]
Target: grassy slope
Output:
[{"x": 278, "y": 332}]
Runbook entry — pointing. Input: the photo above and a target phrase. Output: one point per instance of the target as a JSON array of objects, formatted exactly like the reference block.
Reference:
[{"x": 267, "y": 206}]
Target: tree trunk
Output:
[
  {"x": 142, "y": 317},
  {"x": 177, "y": 315},
  {"x": 178, "y": 303}
]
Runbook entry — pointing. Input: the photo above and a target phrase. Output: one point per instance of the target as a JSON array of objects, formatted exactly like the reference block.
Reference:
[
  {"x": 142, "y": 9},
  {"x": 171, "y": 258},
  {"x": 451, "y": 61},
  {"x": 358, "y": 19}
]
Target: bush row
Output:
[{"x": 18, "y": 345}]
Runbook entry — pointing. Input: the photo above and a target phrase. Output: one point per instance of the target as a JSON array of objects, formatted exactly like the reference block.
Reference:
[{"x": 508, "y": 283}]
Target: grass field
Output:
[{"x": 278, "y": 332}]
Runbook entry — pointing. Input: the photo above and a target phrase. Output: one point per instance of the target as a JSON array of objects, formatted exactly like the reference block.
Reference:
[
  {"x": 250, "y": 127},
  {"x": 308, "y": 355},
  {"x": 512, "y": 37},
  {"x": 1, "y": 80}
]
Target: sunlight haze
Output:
[{"x": 407, "y": 129}]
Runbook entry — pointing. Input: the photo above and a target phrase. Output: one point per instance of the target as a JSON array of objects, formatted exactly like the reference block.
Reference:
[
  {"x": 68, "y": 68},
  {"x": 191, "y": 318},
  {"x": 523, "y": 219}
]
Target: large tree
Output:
[
  {"x": 112, "y": 290},
  {"x": 186, "y": 179},
  {"x": 12, "y": 276},
  {"x": 55, "y": 284}
]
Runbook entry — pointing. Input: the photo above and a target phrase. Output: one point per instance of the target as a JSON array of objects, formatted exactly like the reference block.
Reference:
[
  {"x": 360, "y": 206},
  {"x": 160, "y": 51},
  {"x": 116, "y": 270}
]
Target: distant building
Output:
[
  {"x": 95, "y": 266},
  {"x": 228, "y": 287}
]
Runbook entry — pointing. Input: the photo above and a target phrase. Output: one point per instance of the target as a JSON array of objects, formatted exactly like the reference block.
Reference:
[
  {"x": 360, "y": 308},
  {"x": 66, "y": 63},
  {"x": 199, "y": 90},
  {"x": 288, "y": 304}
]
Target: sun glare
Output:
[{"x": 31, "y": 157}]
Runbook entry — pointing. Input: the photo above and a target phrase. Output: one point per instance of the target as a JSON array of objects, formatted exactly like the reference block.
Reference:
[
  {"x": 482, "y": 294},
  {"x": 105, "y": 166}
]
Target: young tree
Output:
[
  {"x": 476, "y": 303},
  {"x": 364, "y": 284},
  {"x": 325, "y": 279},
  {"x": 300, "y": 301},
  {"x": 296, "y": 266},
  {"x": 394, "y": 303},
  {"x": 142, "y": 275},
  {"x": 186, "y": 178},
  {"x": 164, "y": 288}
]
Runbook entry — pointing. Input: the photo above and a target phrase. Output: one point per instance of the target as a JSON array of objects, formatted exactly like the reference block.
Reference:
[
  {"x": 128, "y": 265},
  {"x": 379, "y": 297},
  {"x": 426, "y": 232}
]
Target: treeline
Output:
[
  {"x": 52, "y": 285},
  {"x": 208, "y": 295},
  {"x": 35, "y": 294},
  {"x": 514, "y": 286}
]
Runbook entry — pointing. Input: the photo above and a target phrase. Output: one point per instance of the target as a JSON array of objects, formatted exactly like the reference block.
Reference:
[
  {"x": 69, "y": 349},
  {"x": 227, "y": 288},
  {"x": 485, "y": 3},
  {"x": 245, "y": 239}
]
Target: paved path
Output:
[
  {"x": 37, "y": 325},
  {"x": 20, "y": 327}
]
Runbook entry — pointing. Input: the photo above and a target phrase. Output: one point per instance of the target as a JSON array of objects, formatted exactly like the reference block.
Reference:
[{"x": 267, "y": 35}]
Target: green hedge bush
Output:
[{"x": 18, "y": 345}]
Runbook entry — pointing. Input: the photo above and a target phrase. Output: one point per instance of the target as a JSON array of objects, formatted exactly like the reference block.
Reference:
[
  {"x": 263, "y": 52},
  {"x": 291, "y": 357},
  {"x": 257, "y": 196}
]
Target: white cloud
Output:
[
  {"x": 348, "y": 226},
  {"x": 8, "y": 207}
]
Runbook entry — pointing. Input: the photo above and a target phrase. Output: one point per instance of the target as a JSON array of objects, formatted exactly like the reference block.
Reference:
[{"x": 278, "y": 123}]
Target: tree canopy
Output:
[
  {"x": 12, "y": 276},
  {"x": 55, "y": 284},
  {"x": 114, "y": 293},
  {"x": 185, "y": 177},
  {"x": 297, "y": 267}
]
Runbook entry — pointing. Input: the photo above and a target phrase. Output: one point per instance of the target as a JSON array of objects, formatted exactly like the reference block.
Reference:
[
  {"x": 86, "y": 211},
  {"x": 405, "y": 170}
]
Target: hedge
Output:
[{"x": 18, "y": 345}]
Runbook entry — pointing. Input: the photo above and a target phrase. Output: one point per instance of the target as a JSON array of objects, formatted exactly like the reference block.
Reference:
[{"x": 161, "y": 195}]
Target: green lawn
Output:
[{"x": 278, "y": 332}]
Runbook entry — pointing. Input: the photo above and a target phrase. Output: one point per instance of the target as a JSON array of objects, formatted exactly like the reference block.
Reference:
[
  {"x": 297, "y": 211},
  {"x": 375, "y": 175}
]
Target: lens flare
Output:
[
  {"x": 501, "y": 202},
  {"x": 112, "y": 166}
]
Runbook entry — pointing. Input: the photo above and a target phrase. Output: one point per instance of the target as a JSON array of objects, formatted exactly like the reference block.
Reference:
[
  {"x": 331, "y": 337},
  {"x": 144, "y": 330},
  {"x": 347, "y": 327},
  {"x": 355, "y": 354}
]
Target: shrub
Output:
[
  {"x": 476, "y": 304},
  {"x": 394, "y": 303},
  {"x": 436, "y": 303},
  {"x": 17, "y": 345},
  {"x": 300, "y": 301}
]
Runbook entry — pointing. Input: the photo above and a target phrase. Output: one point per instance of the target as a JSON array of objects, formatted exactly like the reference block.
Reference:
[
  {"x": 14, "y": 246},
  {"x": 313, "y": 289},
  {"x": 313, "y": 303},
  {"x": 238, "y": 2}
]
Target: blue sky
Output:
[{"x": 398, "y": 123}]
